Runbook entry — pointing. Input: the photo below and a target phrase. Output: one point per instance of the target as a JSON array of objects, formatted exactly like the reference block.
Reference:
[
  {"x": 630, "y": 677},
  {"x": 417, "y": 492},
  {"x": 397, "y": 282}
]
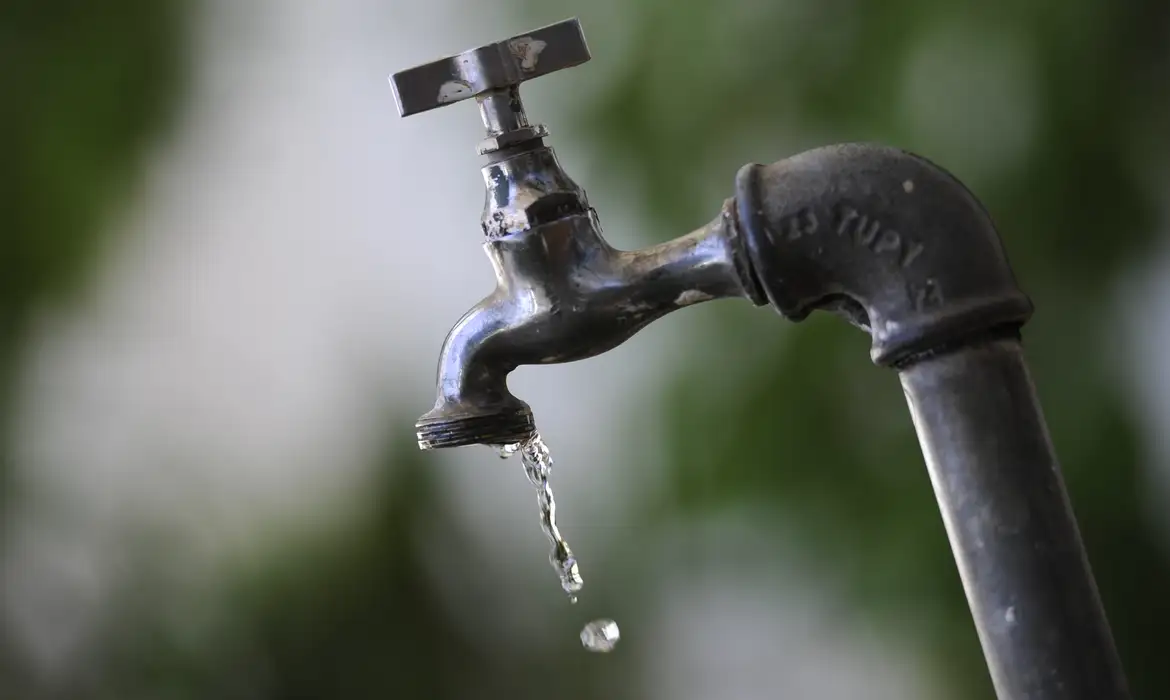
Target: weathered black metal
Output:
[
  {"x": 1010, "y": 524},
  {"x": 902, "y": 249},
  {"x": 895, "y": 244}
]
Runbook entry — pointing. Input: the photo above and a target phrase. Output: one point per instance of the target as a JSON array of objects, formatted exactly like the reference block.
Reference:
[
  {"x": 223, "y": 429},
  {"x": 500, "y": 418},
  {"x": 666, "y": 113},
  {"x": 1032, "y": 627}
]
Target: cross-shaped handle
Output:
[{"x": 498, "y": 66}]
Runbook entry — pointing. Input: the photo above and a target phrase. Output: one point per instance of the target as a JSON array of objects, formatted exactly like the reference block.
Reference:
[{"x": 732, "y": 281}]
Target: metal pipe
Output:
[
  {"x": 1011, "y": 526},
  {"x": 904, "y": 251}
]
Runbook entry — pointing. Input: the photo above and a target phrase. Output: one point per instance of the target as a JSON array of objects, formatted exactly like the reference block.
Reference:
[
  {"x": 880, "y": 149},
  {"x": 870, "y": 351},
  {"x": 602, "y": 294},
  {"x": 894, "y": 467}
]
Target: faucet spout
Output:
[{"x": 564, "y": 294}]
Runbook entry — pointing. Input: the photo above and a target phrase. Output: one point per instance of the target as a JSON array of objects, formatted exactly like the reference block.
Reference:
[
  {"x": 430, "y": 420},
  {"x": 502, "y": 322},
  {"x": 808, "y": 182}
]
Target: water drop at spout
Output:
[{"x": 600, "y": 636}]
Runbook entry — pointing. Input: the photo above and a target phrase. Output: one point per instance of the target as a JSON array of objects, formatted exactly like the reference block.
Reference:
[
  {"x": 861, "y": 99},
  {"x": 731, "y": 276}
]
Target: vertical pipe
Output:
[{"x": 1011, "y": 527}]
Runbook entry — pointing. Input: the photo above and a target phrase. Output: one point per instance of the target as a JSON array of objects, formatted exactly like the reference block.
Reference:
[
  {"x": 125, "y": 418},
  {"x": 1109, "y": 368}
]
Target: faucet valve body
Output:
[
  {"x": 526, "y": 189},
  {"x": 562, "y": 292}
]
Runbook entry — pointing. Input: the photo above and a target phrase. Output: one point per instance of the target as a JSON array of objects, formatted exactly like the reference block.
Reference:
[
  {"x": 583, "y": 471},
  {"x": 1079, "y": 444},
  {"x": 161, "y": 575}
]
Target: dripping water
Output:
[
  {"x": 599, "y": 635},
  {"x": 538, "y": 468}
]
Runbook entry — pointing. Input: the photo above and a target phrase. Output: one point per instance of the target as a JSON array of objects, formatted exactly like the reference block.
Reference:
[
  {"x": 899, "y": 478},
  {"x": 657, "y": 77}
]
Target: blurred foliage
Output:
[
  {"x": 814, "y": 433},
  {"x": 86, "y": 87},
  {"x": 359, "y": 614}
]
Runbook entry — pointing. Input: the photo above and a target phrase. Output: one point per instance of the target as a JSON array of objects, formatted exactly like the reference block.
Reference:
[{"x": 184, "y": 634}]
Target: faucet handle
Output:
[
  {"x": 491, "y": 74},
  {"x": 495, "y": 66}
]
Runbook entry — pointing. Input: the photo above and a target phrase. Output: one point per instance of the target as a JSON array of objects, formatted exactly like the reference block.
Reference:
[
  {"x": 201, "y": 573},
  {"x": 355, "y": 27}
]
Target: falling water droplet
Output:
[{"x": 600, "y": 636}]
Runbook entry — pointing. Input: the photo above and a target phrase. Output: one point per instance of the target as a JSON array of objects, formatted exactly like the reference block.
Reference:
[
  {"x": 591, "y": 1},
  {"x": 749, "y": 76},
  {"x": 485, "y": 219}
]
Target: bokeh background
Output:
[{"x": 226, "y": 268}]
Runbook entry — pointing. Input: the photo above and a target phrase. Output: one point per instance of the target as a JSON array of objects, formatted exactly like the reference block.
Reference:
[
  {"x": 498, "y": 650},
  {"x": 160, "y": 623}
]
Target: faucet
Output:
[{"x": 882, "y": 237}]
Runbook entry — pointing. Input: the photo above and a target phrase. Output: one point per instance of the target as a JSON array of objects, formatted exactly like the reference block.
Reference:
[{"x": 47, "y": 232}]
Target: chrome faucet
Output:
[
  {"x": 562, "y": 293},
  {"x": 884, "y": 238}
]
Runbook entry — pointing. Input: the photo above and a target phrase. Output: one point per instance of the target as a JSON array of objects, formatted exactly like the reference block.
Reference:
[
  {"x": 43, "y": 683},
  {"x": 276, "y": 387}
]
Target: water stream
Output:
[{"x": 599, "y": 635}]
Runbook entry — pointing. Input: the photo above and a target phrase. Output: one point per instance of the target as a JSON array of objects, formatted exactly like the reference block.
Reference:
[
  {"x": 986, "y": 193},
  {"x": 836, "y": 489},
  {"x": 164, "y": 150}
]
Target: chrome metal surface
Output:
[
  {"x": 502, "y": 111},
  {"x": 564, "y": 294},
  {"x": 527, "y": 190},
  {"x": 494, "y": 66}
]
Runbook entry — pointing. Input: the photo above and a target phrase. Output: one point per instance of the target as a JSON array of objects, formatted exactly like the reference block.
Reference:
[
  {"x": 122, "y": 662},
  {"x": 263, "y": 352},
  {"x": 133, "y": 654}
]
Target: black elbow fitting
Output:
[{"x": 884, "y": 237}]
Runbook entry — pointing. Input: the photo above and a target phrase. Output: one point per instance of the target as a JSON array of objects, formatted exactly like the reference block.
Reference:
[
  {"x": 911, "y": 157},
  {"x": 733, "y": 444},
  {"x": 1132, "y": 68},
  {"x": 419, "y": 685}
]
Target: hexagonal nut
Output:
[{"x": 511, "y": 138}]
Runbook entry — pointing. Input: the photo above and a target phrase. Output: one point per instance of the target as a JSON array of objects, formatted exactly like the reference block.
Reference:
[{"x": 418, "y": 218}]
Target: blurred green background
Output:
[{"x": 1054, "y": 113}]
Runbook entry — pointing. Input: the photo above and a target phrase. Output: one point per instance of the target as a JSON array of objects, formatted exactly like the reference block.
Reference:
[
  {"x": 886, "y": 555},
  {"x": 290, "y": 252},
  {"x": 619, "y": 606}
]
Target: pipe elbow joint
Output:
[{"x": 888, "y": 239}]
